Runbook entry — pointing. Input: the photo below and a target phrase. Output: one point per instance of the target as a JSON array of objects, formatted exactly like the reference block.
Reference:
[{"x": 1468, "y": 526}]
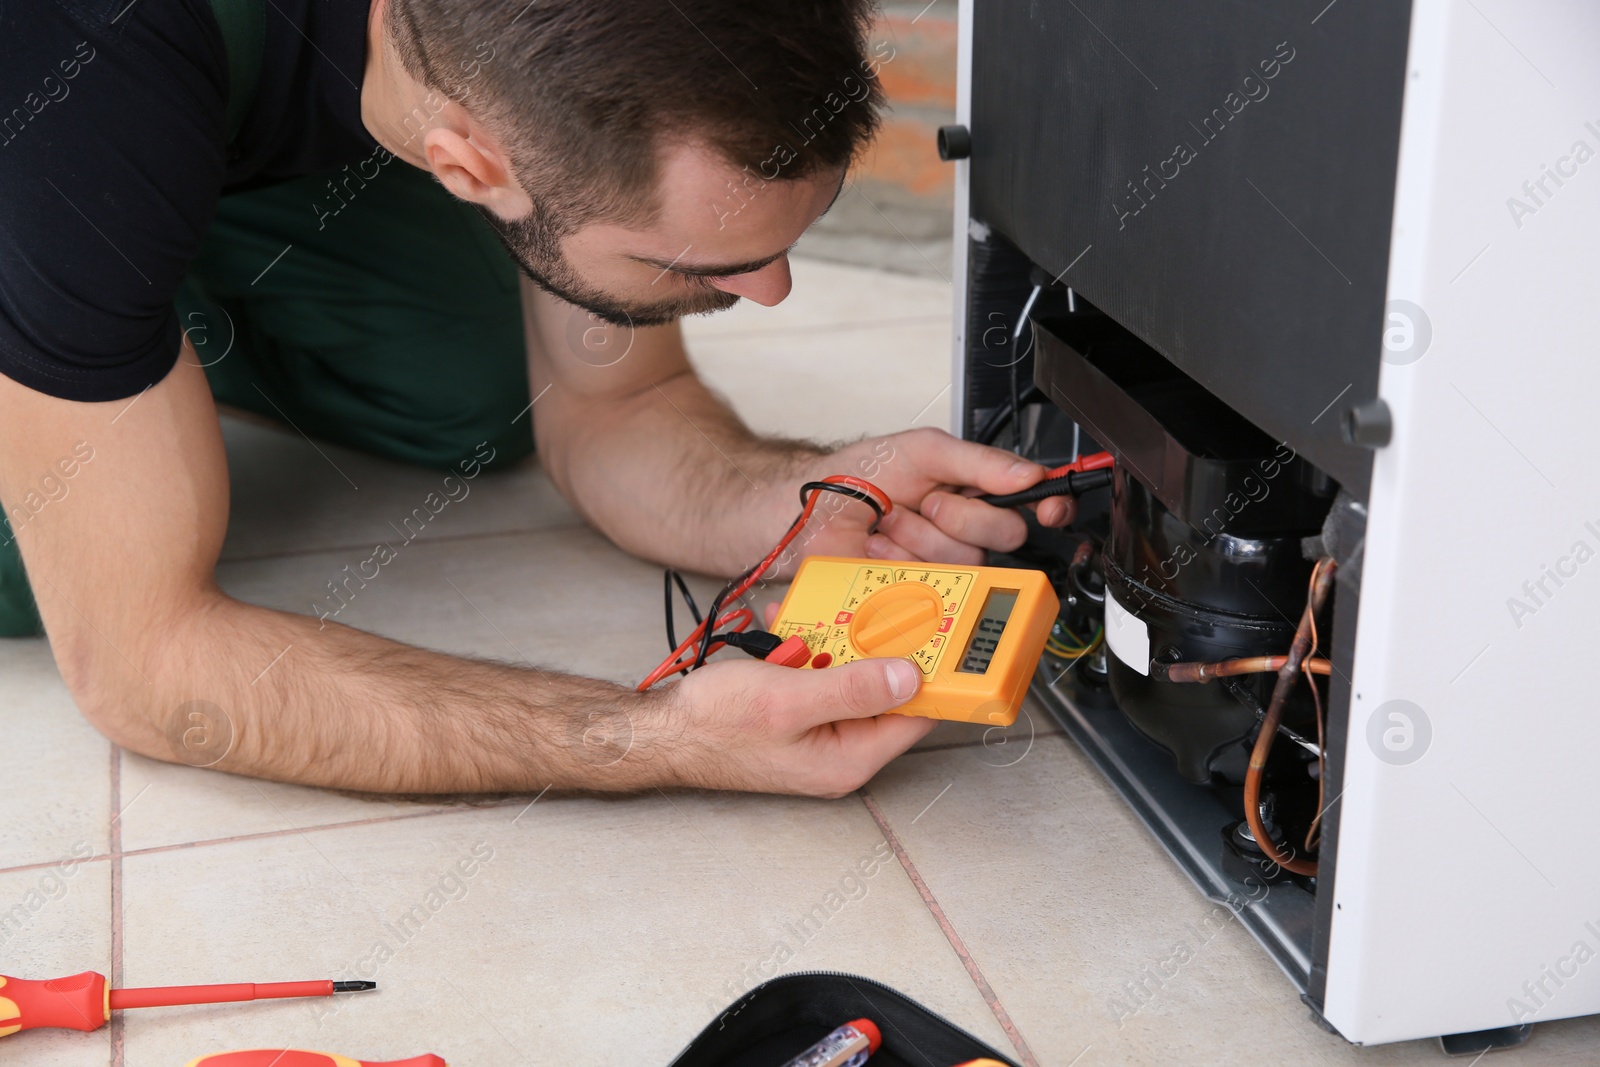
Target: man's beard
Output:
[{"x": 537, "y": 251}]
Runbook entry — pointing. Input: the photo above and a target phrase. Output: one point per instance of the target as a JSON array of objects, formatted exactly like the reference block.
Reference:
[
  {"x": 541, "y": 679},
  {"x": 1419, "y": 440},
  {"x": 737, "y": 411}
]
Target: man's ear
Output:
[{"x": 474, "y": 172}]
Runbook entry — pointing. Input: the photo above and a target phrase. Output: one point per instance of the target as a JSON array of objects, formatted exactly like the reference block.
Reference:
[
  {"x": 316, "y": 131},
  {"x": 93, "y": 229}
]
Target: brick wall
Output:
[{"x": 899, "y": 215}]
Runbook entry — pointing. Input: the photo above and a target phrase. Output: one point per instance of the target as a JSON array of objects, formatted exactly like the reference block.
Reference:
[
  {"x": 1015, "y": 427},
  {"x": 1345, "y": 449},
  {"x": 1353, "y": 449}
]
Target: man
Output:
[{"x": 299, "y": 258}]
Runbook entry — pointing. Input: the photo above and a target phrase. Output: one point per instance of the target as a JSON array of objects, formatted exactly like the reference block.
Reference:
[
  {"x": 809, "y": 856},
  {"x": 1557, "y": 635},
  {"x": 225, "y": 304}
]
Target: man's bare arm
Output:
[
  {"x": 645, "y": 451},
  {"x": 122, "y": 568},
  {"x": 122, "y": 565},
  {"x": 665, "y": 468}
]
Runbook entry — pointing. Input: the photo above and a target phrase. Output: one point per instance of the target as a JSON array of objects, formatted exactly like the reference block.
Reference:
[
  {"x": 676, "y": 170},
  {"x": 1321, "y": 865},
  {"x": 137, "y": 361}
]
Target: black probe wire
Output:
[
  {"x": 990, "y": 429},
  {"x": 669, "y": 576},
  {"x": 806, "y": 490},
  {"x": 845, "y": 490},
  {"x": 1073, "y": 483},
  {"x": 1016, "y": 338}
]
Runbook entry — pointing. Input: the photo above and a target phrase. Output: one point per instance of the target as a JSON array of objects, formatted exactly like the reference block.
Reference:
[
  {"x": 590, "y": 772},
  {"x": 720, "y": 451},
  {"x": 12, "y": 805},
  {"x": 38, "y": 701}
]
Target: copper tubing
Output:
[
  {"x": 1204, "y": 672},
  {"x": 1288, "y": 673}
]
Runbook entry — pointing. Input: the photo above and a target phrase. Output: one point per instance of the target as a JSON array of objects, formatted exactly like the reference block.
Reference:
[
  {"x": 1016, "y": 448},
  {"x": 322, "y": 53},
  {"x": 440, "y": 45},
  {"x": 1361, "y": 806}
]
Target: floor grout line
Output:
[
  {"x": 117, "y": 854},
  {"x": 972, "y": 744},
  {"x": 974, "y": 972},
  {"x": 114, "y": 844},
  {"x": 301, "y": 553}
]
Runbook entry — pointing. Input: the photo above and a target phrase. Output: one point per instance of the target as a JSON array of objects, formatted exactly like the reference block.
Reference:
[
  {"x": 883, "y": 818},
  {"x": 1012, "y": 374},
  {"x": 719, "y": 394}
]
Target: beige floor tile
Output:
[
  {"x": 582, "y": 931},
  {"x": 1062, "y": 897},
  {"x": 563, "y": 598},
  {"x": 171, "y": 804},
  {"x": 286, "y": 497},
  {"x": 1000, "y": 745},
  {"x": 58, "y": 781},
  {"x": 851, "y": 352},
  {"x": 56, "y": 921},
  {"x": 829, "y": 295},
  {"x": 834, "y": 385}
]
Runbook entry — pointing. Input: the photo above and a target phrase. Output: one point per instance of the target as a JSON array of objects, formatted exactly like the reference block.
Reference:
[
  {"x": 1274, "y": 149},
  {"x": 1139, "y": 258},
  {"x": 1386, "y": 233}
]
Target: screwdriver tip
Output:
[{"x": 353, "y": 987}]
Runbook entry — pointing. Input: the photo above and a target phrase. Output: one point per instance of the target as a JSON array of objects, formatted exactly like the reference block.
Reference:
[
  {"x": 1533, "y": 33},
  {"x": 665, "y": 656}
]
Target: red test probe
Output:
[
  {"x": 1081, "y": 475},
  {"x": 85, "y": 1001},
  {"x": 1094, "y": 461}
]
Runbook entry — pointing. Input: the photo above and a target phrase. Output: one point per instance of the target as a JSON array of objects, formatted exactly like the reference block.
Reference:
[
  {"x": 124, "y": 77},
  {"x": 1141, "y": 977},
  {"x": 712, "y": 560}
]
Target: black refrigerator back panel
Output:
[{"x": 1218, "y": 178}]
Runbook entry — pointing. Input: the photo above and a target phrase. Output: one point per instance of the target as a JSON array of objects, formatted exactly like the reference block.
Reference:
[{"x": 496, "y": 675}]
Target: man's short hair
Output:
[{"x": 585, "y": 93}]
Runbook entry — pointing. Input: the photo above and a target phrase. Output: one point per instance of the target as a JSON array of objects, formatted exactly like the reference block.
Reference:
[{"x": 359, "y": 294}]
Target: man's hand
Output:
[
  {"x": 922, "y": 470},
  {"x": 755, "y": 726}
]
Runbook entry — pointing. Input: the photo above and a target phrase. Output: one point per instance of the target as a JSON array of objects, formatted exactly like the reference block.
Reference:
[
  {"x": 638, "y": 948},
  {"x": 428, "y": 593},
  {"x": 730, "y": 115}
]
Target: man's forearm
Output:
[
  {"x": 289, "y": 698},
  {"x": 672, "y": 474}
]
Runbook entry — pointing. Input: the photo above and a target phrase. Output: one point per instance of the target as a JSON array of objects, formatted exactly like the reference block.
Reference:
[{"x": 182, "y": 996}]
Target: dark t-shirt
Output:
[{"x": 112, "y": 157}]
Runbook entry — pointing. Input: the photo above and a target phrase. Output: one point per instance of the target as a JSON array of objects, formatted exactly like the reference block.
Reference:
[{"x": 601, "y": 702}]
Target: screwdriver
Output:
[
  {"x": 263, "y": 1057},
  {"x": 85, "y": 1001}
]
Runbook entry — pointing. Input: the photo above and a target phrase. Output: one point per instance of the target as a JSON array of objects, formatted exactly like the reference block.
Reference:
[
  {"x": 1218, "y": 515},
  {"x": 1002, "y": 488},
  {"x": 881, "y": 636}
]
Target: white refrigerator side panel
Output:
[{"x": 1467, "y": 891}]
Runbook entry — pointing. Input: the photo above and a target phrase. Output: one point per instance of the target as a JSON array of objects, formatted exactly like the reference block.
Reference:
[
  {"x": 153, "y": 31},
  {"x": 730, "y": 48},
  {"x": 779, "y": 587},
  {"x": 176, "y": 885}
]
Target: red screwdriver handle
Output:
[
  {"x": 263, "y": 1057},
  {"x": 75, "y": 1003}
]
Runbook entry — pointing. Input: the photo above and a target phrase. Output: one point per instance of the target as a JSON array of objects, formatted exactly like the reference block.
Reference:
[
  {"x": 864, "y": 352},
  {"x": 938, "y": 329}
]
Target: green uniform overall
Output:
[{"x": 366, "y": 306}]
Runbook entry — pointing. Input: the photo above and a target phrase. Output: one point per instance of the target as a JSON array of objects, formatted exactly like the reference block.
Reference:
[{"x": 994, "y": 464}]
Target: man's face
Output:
[{"x": 721, "y": 234}]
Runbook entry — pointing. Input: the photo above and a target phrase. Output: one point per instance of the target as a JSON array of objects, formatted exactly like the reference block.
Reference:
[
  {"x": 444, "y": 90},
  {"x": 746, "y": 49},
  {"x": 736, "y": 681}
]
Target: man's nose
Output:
[{"x": 767, "y": 286}]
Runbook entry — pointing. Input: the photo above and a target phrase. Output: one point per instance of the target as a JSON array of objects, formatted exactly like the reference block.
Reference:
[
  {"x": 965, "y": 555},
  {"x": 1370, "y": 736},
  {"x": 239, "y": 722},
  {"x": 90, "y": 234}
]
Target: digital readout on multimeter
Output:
[{"x": 986, "y": 634}]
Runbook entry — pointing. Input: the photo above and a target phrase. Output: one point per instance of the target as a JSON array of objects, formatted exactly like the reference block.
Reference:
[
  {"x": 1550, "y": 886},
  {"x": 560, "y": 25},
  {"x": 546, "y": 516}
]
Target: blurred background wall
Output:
[{"x": 896, "y": 210}]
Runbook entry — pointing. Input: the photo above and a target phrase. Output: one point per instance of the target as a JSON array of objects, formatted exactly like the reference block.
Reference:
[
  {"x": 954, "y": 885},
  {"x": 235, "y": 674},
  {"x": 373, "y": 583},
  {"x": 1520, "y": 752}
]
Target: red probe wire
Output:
[{"x": 686, "y": 654}]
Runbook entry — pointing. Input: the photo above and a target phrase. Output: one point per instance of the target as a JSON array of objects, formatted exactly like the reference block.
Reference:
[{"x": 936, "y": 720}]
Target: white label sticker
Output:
[{"x": 1127, "y": 635}]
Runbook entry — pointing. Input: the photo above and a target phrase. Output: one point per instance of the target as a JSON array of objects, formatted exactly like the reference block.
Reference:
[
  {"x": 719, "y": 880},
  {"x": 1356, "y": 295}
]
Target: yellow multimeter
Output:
[{"x": 976, "y": 632}]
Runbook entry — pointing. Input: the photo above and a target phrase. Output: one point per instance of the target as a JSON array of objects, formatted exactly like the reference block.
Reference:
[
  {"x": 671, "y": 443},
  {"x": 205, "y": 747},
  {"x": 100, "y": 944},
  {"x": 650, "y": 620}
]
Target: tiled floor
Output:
[{"x": 1025, "y": 897}]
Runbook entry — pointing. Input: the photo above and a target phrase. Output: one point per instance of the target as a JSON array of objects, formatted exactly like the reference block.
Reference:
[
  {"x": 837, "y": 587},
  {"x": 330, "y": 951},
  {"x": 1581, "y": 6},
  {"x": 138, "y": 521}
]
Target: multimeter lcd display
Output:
[{"x": 986, "y": 634}]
